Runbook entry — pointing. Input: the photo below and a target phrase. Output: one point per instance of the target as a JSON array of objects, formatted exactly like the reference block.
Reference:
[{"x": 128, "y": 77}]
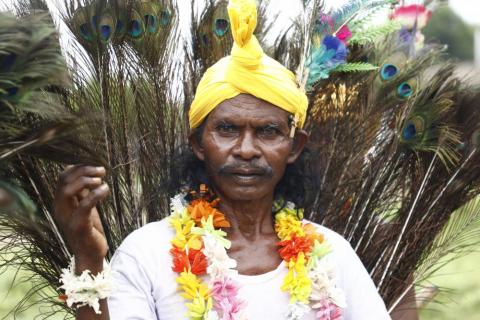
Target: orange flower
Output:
[
  {"x": 290, "y": 249},
  {"x": 312, "y": 234},
  {"x": 180, "y": 260},
  {"x": 201, "y": 209},
  {"x": 198, "y": 262},
  {"x": 195, "y": 262}
]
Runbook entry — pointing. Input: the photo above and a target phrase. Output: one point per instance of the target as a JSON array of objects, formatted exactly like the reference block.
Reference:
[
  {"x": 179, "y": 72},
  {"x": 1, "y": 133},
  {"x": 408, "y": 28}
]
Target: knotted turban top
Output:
[{"x": 247, "y": 70}]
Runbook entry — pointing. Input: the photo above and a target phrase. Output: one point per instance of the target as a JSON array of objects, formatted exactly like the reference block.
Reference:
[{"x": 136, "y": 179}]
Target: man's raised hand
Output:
[{"x": 79, "y": 190}]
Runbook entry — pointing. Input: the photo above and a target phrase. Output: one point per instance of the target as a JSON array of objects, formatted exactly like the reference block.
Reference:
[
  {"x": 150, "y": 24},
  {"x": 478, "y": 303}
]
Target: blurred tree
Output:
[{"x": 448, "y": 28}]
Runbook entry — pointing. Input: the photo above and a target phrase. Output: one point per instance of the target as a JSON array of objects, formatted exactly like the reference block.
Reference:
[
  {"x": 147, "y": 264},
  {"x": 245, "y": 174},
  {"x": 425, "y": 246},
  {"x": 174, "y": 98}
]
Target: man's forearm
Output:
[{"x": 87, "y": 313}]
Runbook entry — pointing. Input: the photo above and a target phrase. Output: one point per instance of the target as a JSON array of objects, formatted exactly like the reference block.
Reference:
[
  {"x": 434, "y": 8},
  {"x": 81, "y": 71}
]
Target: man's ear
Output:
[
  {"x": 196, "y": 145},
  {"x": 299, "y": 142}
]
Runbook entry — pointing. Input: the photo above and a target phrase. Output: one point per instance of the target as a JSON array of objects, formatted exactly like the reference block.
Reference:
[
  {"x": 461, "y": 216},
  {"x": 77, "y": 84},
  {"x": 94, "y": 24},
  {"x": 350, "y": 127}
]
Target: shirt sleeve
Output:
[
  {"x": 132, "y": 297},
  {"x": 363, "y": 300}
]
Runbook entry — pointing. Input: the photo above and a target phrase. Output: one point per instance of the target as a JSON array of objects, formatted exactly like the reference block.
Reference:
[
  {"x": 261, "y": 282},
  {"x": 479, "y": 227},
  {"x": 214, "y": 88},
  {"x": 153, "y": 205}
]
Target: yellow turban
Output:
[{"x": 247, "y": 70}]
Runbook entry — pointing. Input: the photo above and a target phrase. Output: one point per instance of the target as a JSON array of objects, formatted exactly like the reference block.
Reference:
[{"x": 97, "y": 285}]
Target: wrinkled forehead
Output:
[{"x": 248, "y": 107}]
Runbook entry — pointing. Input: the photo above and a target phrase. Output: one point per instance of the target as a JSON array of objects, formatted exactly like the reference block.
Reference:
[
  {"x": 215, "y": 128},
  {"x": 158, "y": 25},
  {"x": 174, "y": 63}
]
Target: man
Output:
[{"x": 246, "y": 130}]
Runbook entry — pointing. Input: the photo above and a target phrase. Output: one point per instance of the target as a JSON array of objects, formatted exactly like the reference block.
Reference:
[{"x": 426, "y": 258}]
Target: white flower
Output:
[
  {"x": 220, "y": 265},
  {"x": 177, "y": 204},
  {"x": 323, "y": 279},
  {"x": 337, "y": 296},
  {"x": 290, "y": 205},
  {"x": 297, "y": 311},
  {"x": 86, "y": 289}
]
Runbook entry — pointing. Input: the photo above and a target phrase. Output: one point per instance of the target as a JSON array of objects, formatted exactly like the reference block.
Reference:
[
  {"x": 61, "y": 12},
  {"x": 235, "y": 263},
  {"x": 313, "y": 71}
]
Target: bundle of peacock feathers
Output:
[{"x": 394, "y": 134}]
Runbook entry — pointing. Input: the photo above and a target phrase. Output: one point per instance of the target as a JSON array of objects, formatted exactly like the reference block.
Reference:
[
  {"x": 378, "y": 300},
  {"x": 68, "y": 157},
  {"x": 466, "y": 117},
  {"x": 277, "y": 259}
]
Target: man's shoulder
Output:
[
  {"x": 152, "y": 235},
  {"x": 341, "y": 248},
  {"x": 331, "y": 236}
]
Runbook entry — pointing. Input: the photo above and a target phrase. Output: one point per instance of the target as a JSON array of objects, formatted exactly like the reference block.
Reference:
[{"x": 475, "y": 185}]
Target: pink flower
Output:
[
  {"x": 411, "y": 14},
  {"x": 225, "y": 299},
  {"x": 327, "y": 310},
  {"x": 344, "y": 34},
  {"x": 326, "y": 19},
  {"x": 225, "y": 288}
]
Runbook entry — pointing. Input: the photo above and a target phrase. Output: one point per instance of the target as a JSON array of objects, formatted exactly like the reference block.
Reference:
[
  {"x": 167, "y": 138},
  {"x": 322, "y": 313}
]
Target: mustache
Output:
[{"x": 255, "y": 168}]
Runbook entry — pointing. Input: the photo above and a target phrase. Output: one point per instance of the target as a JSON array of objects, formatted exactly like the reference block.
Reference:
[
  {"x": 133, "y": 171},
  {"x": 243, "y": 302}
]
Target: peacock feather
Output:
[
  {"x": 391, "y": 159},
  {"x": 213, "y": 40}
]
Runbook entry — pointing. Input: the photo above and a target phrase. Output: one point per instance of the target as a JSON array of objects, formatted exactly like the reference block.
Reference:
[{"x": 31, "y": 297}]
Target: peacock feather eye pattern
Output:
[
  {"x": 405, "y": 90},
  {"x": 388, "y": 72},
  {"x": 151, "y": 23},
  {"x": 136, "y": 28},
  {"x": 165, "y": 18},
  {"x": 413, "y": 129},
  {"x": 120, "y": 27},
  {"x": 221, "y": 27},
  {"x": 106, "y": 27},
  {"x": 84, "y": 24},
  {"x": 213, "y": 38},
  {"x": 86, "y": 32},
  {"x": 105, "y": 32}
]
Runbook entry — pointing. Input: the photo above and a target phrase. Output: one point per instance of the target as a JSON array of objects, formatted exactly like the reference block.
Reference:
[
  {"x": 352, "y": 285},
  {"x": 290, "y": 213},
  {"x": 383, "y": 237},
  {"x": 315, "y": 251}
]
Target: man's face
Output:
[{"x": 246, "y": 147}]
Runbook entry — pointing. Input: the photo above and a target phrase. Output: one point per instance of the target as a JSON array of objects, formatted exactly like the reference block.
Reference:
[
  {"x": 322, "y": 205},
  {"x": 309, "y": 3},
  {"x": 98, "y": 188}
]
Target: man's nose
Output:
[{"x": 247, "y": 146}]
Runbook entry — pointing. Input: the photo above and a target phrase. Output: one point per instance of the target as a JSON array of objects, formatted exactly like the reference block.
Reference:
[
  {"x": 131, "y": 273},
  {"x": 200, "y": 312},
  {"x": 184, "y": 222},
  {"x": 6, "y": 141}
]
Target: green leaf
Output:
[
  {"x": 371, "y": 34},
  {"x": 355, "y": 67},
  {"x": 366, "y": 18}
]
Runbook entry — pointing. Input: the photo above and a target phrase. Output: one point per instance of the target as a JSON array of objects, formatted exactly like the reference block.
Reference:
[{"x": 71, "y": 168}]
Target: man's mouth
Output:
[
  {"x": 246, "y": 176},
  {"x": 248, "y": 172},
  {"x": 246, "y": 179}
]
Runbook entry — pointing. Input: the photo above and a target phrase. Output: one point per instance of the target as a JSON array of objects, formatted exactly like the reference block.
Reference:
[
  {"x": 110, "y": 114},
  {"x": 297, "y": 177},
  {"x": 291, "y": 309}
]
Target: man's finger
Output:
[
  {"x": 94, "y": 197},
  {"x": 81, "y": 183},
  {"x": 72, "y": 174},
  {"x": 65, "y": 173}
]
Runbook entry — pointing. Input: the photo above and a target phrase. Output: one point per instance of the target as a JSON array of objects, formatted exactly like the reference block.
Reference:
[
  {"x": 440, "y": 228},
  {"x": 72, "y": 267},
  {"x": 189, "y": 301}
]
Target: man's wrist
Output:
[
  {"x": 86, "y": 288},
  {"x": 95, "y": 265}
]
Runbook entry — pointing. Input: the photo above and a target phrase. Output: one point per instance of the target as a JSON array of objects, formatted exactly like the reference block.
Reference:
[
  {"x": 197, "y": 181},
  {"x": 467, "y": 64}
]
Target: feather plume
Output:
[{"x": 389, "y": 160}]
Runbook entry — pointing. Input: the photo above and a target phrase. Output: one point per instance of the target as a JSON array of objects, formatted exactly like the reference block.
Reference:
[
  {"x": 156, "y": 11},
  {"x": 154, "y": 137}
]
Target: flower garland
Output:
[
  {"x": 86, "y": 289},
  {"x": 199, "y": 248}
]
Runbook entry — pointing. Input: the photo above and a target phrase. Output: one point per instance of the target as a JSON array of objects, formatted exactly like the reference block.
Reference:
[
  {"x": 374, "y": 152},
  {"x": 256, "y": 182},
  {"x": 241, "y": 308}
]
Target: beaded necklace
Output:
[{"x": 200, "y": 246}]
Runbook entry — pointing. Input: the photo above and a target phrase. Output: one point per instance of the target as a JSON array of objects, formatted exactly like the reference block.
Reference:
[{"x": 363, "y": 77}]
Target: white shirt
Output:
[{"x": 146, "y": 288}]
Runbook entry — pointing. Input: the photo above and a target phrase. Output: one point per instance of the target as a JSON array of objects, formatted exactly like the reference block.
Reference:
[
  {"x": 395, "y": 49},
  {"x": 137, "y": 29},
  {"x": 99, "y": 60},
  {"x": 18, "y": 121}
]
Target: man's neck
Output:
[{"x": 250, "y": 219}]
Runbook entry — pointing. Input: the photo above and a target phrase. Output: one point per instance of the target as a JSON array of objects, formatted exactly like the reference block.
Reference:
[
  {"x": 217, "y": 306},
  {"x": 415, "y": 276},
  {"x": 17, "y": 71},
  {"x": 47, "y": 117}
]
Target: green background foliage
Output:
[{"x": 446, "y": 27}]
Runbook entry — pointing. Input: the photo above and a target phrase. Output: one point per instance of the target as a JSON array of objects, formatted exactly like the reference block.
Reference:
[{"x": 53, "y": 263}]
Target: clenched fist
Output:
[{"x": 79, "y": 190}]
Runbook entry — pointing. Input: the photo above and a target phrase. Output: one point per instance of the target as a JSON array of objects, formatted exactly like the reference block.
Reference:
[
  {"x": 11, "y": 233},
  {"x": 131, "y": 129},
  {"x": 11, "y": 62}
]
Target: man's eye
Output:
[
  {"x": 269, "y": 131},
  {"x": 226, "y": 128}
]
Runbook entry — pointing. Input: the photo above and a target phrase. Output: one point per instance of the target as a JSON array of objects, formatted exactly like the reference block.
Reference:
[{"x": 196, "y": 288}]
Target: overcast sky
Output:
[{"x": 468, "y": 9}]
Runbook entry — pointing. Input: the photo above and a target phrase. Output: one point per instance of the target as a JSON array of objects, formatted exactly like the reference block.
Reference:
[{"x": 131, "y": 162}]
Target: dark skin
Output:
[{"x": 245, "y": 146}]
